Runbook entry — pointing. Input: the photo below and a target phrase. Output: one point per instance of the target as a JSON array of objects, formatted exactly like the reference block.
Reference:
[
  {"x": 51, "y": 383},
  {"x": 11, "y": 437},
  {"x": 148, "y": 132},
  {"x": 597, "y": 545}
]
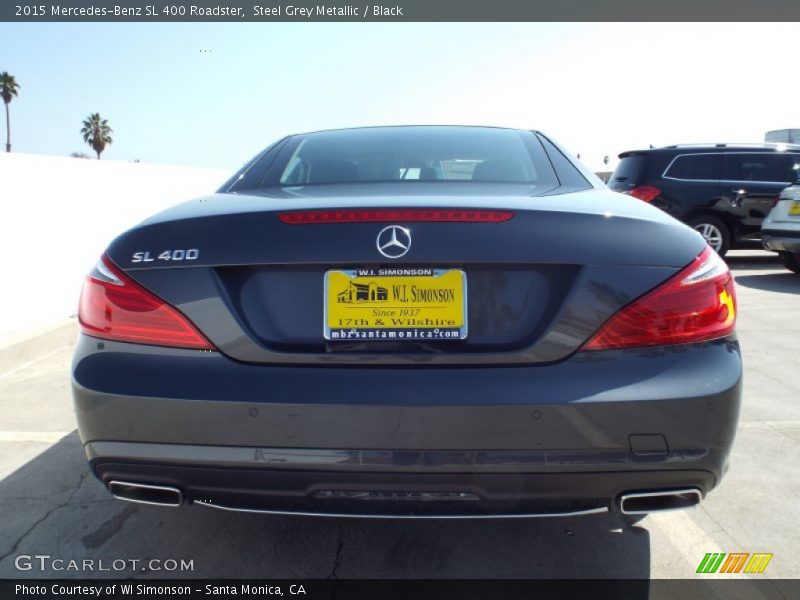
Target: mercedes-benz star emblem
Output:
[{"x": 394, "y": 241}]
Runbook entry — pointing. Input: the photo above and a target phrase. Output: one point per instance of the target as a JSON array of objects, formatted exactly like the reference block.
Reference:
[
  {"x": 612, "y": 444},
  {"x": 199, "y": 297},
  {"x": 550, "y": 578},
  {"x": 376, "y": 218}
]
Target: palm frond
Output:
[
  {"x": 96, "y": 132},
  {"x": 9, "y": 87}
]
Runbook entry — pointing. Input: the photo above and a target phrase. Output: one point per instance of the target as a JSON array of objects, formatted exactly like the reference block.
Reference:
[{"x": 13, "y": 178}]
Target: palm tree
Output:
[
  {"x": 8, "y": 89},
  {"x": 96, "y": 132}
]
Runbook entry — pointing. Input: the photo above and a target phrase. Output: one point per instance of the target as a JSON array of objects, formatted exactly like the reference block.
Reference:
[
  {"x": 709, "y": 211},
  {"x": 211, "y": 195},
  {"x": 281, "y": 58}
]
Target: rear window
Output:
[
  {"x": 795, "y": 167},
  {"x": 695, "y": 166},
  {"x": 413, "y": 154},
  {"x": 775, "y": 167},
  {"x": 629, "y": 169}
]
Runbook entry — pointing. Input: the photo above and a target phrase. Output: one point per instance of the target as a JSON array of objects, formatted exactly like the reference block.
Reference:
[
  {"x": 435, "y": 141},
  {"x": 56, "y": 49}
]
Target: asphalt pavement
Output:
[{"x": 50, "y": 505}]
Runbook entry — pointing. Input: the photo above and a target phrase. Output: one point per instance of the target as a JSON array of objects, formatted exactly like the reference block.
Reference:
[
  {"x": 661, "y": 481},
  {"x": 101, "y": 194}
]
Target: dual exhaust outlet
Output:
[
  {"x": 144, "y": 493},
  {"x": 632, "y": 503}
]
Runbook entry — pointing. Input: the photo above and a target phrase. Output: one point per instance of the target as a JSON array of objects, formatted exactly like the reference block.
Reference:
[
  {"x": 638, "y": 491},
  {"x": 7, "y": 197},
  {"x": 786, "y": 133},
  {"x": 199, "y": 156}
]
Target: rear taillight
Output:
[
  {"x": 392, "y": 214},
  {"x": 647, "y": 193},
  {"x": 114, "y": 307},
  {"x": 696, "y": 304}
]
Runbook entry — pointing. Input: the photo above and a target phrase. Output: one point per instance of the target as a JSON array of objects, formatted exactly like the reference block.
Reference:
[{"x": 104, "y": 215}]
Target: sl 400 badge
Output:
[{"x": 170, "y": 255}]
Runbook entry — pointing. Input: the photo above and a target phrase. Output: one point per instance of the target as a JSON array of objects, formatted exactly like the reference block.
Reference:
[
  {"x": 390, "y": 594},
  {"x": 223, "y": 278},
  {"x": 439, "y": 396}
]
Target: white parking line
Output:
[
  {"x": 43, "y": 437},
  {"x": 39, "y": 359},
  {"x": 692, "y": 543},
  {"x": 769, "y": 424}
]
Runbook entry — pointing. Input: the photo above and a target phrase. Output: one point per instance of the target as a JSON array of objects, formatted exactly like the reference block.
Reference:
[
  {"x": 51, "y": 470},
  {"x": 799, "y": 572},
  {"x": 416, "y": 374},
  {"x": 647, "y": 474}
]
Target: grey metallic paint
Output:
[{"x": 514, "y": 413}]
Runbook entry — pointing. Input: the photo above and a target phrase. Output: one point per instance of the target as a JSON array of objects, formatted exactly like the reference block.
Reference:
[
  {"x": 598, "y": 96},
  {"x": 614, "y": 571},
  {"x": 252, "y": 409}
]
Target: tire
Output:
[
  {"x": 791, "y": 261},
  {"x": 714, "y": 231}
]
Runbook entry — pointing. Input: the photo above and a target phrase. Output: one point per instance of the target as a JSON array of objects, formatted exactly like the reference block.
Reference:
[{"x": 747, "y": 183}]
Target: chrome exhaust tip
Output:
[
  {"x": 641, "y": 503},
  {"x": 142, "y": 493}
]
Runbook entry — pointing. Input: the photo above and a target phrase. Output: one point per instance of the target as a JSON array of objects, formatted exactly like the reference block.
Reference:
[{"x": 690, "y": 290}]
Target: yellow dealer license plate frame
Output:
[{"x": 395, "y": 304}]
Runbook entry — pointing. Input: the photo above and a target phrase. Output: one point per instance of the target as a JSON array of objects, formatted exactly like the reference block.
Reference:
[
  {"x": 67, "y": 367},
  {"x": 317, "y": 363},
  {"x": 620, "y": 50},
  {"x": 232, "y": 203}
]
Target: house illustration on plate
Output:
[{"x": 363, "y": 292}]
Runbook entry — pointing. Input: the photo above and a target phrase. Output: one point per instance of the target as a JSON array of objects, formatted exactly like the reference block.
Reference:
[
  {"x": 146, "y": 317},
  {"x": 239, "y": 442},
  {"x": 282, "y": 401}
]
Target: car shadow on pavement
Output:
[
  {"x": 53, "y": 506},
  {"x": 760, "y": 260},
  {"x": 784, "y": 283}
]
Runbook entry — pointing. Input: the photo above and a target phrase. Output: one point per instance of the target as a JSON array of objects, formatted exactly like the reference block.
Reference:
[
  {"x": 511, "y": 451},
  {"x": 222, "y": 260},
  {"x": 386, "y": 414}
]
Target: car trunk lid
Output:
[{"x": 534, "y": 287}]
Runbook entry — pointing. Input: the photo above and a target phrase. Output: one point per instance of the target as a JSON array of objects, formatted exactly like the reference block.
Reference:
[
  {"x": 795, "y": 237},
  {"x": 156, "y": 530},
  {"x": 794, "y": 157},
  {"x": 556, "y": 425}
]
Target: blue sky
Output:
[{"x": 214, "y": 94}]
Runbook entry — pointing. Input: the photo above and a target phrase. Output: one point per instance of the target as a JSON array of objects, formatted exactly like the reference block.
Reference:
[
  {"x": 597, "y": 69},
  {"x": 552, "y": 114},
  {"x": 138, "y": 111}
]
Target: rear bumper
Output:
[
  {"x": 417, "y": 493},
  {"x": 548, "y": 439},
  {"x": 781, "y": 240}
]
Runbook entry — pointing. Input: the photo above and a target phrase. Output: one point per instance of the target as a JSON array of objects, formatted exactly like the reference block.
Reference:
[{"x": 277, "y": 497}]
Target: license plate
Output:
[
  {"x": 396, "y": 304},
  {"x": 794, "y": 208}
]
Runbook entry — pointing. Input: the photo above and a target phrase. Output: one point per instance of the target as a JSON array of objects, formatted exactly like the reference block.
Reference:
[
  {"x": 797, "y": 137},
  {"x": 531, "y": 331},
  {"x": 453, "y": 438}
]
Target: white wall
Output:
[{"x": 58, "y": 214}]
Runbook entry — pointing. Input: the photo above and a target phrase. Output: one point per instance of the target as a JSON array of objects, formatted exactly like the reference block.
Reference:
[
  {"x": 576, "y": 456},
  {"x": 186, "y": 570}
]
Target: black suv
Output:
[{"x": 724, "y": 191}]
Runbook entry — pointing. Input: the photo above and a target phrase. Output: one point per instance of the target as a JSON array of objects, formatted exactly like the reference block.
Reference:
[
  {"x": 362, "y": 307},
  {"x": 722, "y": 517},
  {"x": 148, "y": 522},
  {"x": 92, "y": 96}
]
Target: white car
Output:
[{"x": 780, "y": 231}]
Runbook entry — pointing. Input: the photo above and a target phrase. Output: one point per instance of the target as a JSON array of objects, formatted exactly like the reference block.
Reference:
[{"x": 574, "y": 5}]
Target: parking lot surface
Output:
[{"x": 50, "y": 505}]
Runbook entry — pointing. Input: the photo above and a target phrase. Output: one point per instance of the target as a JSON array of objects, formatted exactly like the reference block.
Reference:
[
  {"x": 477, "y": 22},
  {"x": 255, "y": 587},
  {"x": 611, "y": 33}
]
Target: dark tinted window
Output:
[
  {"x": 568, "y": 174},
  {"x": 409, "y": 154},
  {"x": 252, "y": 173},
  {"x": 695, "y": 166},
  {"x": 773, "y": 167},
  {"x": 795, "y": 158},
  {"x": 629, "y": 169}
]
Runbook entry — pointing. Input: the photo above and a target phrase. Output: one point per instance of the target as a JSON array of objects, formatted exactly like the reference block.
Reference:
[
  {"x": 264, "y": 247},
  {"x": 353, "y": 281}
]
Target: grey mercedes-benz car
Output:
[{"x": 423, "y": 322}]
